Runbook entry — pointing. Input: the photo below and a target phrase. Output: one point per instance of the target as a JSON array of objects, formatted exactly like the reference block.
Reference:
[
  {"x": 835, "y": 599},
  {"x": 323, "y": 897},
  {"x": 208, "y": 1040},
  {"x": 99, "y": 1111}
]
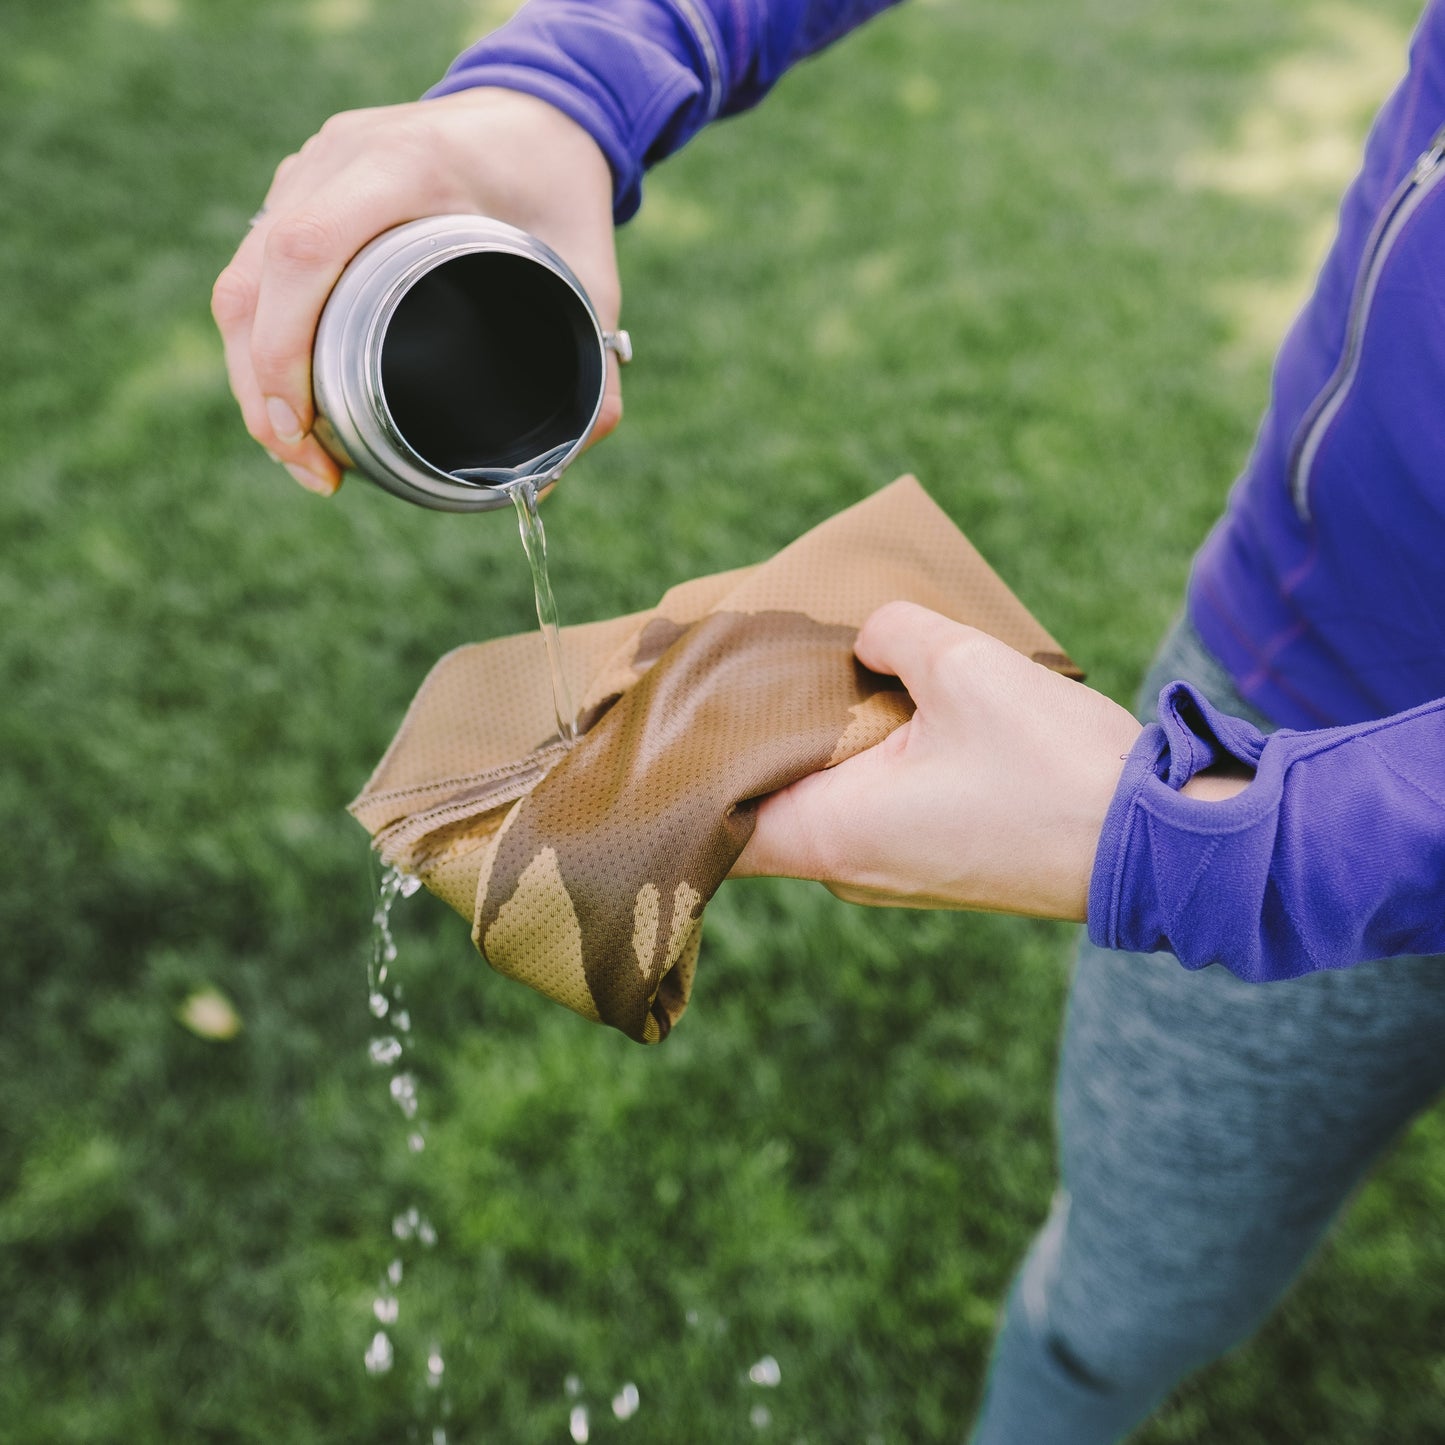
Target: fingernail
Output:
[
  {"x": 312, "y": 482},
  {"x": 284, "y": 422}
]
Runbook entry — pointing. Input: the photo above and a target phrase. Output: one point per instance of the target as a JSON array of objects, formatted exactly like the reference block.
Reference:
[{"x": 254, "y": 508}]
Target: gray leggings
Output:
[{"x": 1209, "y": 1131}]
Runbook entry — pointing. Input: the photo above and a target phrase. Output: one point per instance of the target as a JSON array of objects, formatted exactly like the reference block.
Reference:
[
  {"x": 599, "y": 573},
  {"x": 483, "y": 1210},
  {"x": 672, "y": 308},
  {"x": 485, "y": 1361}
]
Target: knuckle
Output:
[
  {"x": 411, "y": 153},
  {"x": 951, "y": 667},
  {"x": 412, "y": 132},
  {"x": 345, "y": 122},
  {"x": 256, "y": 426},
  {"x": 233, "y": 297},
  {"x": 271, "y": 360},
  {"x": 301, "y": 240},
  {"x": 330, "y": 128},
  {"x": 893, "y": 614},
  {"x": 966, "y": 648}
]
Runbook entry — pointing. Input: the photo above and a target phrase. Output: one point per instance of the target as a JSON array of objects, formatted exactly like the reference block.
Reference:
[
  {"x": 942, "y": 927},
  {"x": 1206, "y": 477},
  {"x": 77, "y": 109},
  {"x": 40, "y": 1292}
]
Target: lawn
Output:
[{"x": 1036, "y": 254}]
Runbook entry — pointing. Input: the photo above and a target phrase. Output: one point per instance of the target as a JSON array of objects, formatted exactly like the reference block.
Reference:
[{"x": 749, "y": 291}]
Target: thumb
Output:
[{"x": 909, "y": 642}]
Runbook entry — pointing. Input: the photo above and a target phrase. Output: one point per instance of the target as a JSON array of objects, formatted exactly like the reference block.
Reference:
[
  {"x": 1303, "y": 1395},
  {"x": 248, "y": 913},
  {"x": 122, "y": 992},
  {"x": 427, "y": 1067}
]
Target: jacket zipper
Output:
[{"x": 1424, "y": 176}]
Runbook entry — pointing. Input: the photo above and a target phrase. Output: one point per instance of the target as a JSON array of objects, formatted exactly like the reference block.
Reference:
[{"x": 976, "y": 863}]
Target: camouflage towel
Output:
[{"x": 585, "y": 871}]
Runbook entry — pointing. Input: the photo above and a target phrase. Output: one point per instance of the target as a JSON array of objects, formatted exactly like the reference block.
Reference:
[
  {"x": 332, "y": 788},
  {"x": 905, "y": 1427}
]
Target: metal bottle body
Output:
[{"x": 455, "y": 356}]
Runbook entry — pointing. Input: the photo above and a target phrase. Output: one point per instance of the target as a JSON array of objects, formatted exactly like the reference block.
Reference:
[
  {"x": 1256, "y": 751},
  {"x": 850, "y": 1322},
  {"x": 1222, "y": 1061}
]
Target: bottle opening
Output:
[{"x": 490, "y": 361}]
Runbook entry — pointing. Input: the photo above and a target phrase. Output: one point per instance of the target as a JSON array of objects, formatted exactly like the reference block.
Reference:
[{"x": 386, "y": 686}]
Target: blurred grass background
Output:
[{"x": 1037, "y": 254}]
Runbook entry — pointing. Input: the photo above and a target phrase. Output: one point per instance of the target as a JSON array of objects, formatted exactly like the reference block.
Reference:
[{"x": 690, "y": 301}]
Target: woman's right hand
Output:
[{"x": 490, "y": 152}]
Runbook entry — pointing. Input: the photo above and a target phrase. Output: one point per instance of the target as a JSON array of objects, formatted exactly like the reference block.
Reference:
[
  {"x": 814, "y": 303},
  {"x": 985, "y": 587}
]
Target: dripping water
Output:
[{"x": 389, "y": 1048}]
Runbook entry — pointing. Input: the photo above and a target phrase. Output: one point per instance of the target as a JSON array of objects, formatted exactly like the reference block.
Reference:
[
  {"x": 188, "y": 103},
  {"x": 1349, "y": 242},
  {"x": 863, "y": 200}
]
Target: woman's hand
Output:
[
  {"x": 490, "y": 152},
  {"x": 992, "y": 797}
]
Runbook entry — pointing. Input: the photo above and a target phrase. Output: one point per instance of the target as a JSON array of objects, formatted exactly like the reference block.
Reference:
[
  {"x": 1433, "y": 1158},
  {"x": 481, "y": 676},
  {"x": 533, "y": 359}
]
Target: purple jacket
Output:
[{"x": 1322, "y": 589}]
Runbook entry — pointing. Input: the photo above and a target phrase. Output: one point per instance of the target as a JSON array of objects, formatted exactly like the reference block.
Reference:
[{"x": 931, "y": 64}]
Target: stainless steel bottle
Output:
[{"x": 456, "y": 356}]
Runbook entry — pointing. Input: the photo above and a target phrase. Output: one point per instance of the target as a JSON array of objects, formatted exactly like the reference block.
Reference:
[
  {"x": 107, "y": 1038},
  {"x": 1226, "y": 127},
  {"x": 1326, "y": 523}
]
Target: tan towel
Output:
[{"x": 585, "y": 871}]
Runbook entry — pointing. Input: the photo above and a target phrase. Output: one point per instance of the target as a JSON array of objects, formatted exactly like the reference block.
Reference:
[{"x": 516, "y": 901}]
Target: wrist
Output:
[
  {"x": 1218, "y": 784},
  {"x": 498, "y": 125},
  {"x": 629, "y": 86},
  {"x": 1094, "y": 795}
]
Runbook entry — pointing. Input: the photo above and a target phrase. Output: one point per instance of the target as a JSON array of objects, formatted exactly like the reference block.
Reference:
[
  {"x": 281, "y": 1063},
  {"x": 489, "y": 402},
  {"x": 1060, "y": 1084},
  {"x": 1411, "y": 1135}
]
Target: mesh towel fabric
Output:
[{"x": 585, "y": 872}]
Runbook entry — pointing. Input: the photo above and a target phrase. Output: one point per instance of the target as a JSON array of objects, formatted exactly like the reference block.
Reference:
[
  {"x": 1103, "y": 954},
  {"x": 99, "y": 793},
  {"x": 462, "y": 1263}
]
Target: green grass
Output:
[{"x": 963, "y": 244}]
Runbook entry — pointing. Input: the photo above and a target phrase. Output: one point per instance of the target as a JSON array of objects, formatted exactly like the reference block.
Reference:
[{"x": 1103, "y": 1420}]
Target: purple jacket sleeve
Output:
[
  {"x": 644, "y": 76},
  {"x": 1333, "y": 854}
]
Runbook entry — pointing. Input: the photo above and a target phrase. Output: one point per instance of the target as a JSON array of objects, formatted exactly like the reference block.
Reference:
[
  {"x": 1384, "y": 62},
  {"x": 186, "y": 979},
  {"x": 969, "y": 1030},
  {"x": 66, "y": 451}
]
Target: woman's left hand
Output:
[{"x": 992, "y": 797}]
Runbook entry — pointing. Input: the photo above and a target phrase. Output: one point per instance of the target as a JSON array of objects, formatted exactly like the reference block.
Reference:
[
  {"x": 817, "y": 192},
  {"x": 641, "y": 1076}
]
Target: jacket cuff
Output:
[
  {"x": 1334, "y": 854},
  {"x": 1157, "y": 846}
]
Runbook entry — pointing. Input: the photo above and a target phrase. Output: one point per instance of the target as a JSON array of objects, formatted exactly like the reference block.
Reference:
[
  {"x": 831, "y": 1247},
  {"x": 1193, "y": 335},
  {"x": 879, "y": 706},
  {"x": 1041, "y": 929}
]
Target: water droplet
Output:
[
  {"x": 573, "y": 1386},
  {"x": 379, "y": 1355},
  {"x": 385, "y": 1001},
  {"x": 577, "y": 1426},
  {"x": 384, "y": 1051},
  {"x": 626, "y": 1401},
  {"x": 760, "y": 1417},
  {"x": 765, "y": 1372},
  {"x": 403, "y": 1090}
]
